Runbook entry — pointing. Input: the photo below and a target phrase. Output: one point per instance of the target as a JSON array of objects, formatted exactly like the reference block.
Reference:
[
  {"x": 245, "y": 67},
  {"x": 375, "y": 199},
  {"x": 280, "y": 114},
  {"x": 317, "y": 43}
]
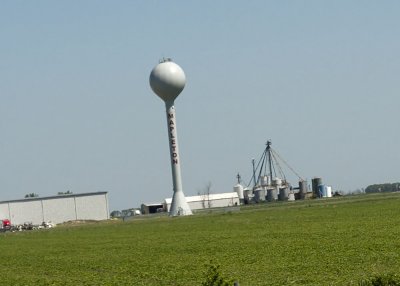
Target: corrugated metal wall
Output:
[
  {"x": 29, "y": 211},
  {"x": 59, "y": 210},
  {"x": 91, "y": 206}
]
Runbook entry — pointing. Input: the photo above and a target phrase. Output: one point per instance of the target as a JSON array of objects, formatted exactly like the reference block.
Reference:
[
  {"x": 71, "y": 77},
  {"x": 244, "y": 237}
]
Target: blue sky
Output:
[{"x": 318, "y": 78}]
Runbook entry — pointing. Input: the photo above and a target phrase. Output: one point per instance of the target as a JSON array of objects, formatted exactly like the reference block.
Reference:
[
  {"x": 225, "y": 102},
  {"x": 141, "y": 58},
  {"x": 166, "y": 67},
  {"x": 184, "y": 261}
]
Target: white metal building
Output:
[
  {"x": 208, "y": 201},
  {"x": 56, "y": 209}
]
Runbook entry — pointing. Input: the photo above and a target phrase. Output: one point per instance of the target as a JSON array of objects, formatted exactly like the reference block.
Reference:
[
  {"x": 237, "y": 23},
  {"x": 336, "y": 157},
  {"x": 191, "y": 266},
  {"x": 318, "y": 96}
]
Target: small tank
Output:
[
  {"x": 265, "y": 181},
  {"x": 277, "y": 182},
  {"x": 328, "y": 191},
  {"x": 248, "y": 195}
]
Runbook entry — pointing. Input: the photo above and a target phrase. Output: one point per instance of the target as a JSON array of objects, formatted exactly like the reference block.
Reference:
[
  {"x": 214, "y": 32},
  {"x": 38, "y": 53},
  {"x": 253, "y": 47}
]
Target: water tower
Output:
[{"x": 167, "y": 80}]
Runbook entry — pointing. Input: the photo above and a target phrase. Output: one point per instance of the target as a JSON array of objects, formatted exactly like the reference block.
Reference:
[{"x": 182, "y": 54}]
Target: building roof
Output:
[
  {"x": 210, "y": 197},
  {"x": 54, "y": 197}
]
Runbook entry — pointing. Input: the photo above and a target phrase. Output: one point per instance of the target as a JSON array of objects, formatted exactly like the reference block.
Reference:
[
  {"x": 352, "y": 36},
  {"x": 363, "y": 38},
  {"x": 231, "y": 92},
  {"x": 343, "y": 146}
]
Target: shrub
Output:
[
  {"x": 382, "y": 280},
  {"x": 214, "y": 278}
]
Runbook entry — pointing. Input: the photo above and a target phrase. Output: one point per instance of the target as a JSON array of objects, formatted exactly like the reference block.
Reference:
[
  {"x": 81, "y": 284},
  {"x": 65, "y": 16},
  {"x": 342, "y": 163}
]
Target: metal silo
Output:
[
  {"x": 265, "y": 181},
  {"x": 259, "y": 195},
  {"x": 272, "y": 194},
  {"x": 322, "y": 191},
  {"x": 315, "y": 184},
  {"x": 303, "y": 189},
  {"x": 248, "y": 195},
  {"x": 283, "y": 193},
  {"x": 239, "y": 190}
]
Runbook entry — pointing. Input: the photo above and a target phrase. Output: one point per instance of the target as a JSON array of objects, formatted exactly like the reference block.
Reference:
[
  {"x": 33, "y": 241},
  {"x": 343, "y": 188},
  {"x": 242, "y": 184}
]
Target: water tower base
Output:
[{"x": 179, "y": 206}]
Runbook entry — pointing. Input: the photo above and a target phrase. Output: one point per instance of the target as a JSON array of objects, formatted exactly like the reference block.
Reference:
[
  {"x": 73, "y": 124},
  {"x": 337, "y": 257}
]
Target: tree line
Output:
[{"x": 381, "y": 188}]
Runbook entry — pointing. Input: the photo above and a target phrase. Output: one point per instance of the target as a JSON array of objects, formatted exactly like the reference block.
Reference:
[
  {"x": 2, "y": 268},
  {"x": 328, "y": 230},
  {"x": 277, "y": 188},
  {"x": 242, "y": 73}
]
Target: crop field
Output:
[{"x": 337, "y": 241}]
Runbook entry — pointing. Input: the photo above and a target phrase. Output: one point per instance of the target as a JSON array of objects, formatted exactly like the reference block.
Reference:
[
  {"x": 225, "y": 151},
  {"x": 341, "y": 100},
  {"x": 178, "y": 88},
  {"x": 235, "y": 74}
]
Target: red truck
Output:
[{"x": 5, "y": 224}]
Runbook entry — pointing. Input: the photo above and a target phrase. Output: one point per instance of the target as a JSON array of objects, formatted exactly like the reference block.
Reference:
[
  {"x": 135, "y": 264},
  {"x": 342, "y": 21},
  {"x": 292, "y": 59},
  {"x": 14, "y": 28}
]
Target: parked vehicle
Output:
[{"x": 5, "y": 224}]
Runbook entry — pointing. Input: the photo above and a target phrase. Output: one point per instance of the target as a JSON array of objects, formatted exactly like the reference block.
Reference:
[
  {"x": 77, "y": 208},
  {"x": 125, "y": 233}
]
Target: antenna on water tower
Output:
[{"x": 167, "y": 80}]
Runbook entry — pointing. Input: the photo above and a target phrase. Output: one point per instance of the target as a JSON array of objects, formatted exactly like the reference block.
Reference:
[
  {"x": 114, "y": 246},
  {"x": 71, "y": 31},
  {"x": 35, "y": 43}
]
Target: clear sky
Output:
[{"x": 318, "y": 78}]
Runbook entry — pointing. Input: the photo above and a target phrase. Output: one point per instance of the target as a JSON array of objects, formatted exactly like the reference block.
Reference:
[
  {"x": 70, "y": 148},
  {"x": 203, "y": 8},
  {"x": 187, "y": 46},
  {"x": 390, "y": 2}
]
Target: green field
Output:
[{"x": 336, "y": 241}]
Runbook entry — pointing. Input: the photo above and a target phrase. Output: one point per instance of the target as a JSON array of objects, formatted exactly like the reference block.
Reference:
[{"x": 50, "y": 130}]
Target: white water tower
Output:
[{"x": 167, "y": 80}]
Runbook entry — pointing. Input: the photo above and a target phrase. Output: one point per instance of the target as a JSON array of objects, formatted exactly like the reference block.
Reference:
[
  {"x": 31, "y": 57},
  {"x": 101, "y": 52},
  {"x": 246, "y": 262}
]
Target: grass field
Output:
[{"x": 337, "y": 241}]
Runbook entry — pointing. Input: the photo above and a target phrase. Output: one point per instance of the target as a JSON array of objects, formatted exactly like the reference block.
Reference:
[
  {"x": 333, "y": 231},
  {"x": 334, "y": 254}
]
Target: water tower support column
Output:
[{"x": 179, "y": 205}]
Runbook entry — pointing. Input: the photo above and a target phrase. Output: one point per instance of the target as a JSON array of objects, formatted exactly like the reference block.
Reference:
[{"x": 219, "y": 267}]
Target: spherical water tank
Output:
[{"x": 167, "y": 80}]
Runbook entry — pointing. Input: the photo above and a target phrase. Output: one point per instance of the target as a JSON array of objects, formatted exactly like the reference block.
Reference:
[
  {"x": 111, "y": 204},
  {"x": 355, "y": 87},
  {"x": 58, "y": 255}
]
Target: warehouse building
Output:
[{"x": 56, "y": 209}]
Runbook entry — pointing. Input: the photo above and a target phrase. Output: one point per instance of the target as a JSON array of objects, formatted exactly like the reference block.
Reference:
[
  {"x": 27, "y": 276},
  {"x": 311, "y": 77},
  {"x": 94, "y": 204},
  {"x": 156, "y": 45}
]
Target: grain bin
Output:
[
  {"x": 303, "y": 189},
  {"x": 322, "y": 191},
  {"x": 239, "y": 190},
  {"x": 283, "y": 193},
  {"x": 272, "y": 194},
  {"x": 259, "y": 195},
  {"x": 315, "y": 183}
]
